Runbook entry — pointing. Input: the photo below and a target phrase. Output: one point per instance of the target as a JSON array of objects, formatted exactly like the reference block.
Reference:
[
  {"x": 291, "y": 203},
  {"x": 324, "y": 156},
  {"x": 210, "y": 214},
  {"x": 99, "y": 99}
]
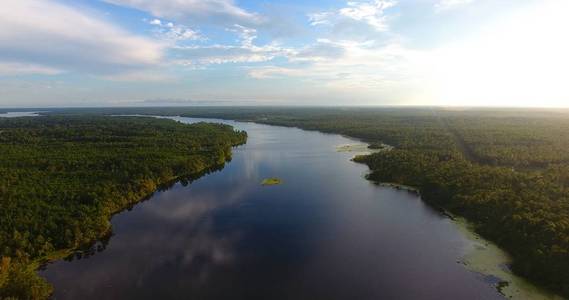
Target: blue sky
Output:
[{"x": 232, "y": 52}]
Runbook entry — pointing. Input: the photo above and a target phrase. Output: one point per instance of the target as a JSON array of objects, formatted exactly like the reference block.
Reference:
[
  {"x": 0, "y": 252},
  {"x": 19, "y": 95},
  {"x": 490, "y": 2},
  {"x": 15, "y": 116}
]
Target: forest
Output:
[{"x": 62, "y": 177}]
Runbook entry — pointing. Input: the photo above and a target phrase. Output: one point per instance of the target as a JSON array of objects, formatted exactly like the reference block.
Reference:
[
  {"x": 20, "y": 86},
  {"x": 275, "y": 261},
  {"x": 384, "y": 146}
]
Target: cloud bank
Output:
[
  {"x": 42, "y": 36},
  {"x": 222, "y": 12}
]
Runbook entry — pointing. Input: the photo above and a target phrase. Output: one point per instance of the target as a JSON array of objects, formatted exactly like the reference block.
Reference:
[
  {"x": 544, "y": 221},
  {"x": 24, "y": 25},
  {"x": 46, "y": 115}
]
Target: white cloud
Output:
[
  {"x": 322, "y": 50},
  {"x": 371, "y": 13},
  {"x": 267, "y": 72},
  {"x": 156, "y": 22},
  {"x": 220, "y": 54},
  {"x": 246, "y": 34},
  {"x": 320, "y": 18},
  {"x": 198, "y": 57},
  {"x": 11, "y": 68},
  {"x": 364, "y": 69},
  {"x": 245, "y": 52},
  {"x": 173, "y": 33},
  {"x": 41, "y": 36},
  {"x": 223, "y": 12},
  {"x": 443, "y": 5},
  {"x": 142, "y": 75},
  {"x": 350, "y": 60}
]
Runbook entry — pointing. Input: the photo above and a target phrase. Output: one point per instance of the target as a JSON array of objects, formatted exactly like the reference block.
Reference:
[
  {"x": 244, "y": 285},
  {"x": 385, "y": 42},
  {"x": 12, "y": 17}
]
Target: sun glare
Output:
[{"x": 521, "y": 60}]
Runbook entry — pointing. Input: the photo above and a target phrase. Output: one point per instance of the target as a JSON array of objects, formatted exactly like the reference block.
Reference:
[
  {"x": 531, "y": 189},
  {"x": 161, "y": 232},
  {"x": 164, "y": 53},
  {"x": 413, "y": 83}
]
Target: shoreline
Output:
[
  {"x": 485, "y": 258},
  {"x": 482, "y": 256},
  {"x": 39, "y": 263}
]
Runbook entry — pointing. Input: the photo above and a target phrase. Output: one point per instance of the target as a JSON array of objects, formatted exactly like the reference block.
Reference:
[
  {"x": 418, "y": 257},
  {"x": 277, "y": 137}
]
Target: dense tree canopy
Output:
[{"x": 61, "y": 178}]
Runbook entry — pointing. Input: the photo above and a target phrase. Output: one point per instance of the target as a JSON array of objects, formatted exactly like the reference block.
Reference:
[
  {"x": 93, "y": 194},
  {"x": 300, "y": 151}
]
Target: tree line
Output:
[{"x": 62, "y": 177}]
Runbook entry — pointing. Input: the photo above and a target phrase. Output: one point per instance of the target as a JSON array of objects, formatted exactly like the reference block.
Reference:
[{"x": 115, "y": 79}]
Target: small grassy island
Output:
[
  {"x": 61, "y": 179},
  {"x": 271, "y": 181}
]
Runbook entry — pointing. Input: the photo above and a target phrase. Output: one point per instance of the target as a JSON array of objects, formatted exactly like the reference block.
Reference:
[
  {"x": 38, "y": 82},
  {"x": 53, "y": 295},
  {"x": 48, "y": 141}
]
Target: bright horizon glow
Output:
[
  {"x": 513, "y": 62},
  {"x": 472, "y": 53}
]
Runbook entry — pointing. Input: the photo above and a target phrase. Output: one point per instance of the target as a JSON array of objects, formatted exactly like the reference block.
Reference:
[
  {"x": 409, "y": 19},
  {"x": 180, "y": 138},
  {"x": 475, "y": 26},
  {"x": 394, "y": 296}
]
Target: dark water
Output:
[{"x": 325, "y": 233}]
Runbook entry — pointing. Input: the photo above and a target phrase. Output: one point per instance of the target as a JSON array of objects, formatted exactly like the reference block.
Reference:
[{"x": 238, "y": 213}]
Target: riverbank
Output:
[
  {"x": 68, "y": 181},
  {"x": 42, "y": 289}
]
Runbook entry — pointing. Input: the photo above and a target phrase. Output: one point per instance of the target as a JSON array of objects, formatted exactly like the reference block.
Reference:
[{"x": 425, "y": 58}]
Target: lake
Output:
[
  {"x": 323, "y": 232},
  {"x": 17, "y": 114}
]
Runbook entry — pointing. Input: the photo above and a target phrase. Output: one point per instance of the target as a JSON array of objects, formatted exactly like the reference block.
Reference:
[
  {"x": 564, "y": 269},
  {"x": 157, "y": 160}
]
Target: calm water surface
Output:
[
  {"x": 17, "y": 114},
  {"x": 325, "y": 233}
]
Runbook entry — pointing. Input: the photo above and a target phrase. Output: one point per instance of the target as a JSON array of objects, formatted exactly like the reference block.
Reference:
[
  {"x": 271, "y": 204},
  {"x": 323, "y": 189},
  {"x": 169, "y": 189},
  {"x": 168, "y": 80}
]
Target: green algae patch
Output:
[
  {"x": 271, "y": 181},
  {"x": 487, "y": 259},
  {"x": 352, "y": 148},
  {"x": 400, "y": 187},
  {"x": 363, "y": 149}
]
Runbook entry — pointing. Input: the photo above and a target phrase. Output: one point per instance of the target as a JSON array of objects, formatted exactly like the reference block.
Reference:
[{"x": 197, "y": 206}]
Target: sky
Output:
[{"x": 80, "y": 53}]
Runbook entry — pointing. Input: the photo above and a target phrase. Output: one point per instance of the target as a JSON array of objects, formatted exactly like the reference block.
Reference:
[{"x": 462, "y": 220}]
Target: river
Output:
[{"x": 323, "y": 233}]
